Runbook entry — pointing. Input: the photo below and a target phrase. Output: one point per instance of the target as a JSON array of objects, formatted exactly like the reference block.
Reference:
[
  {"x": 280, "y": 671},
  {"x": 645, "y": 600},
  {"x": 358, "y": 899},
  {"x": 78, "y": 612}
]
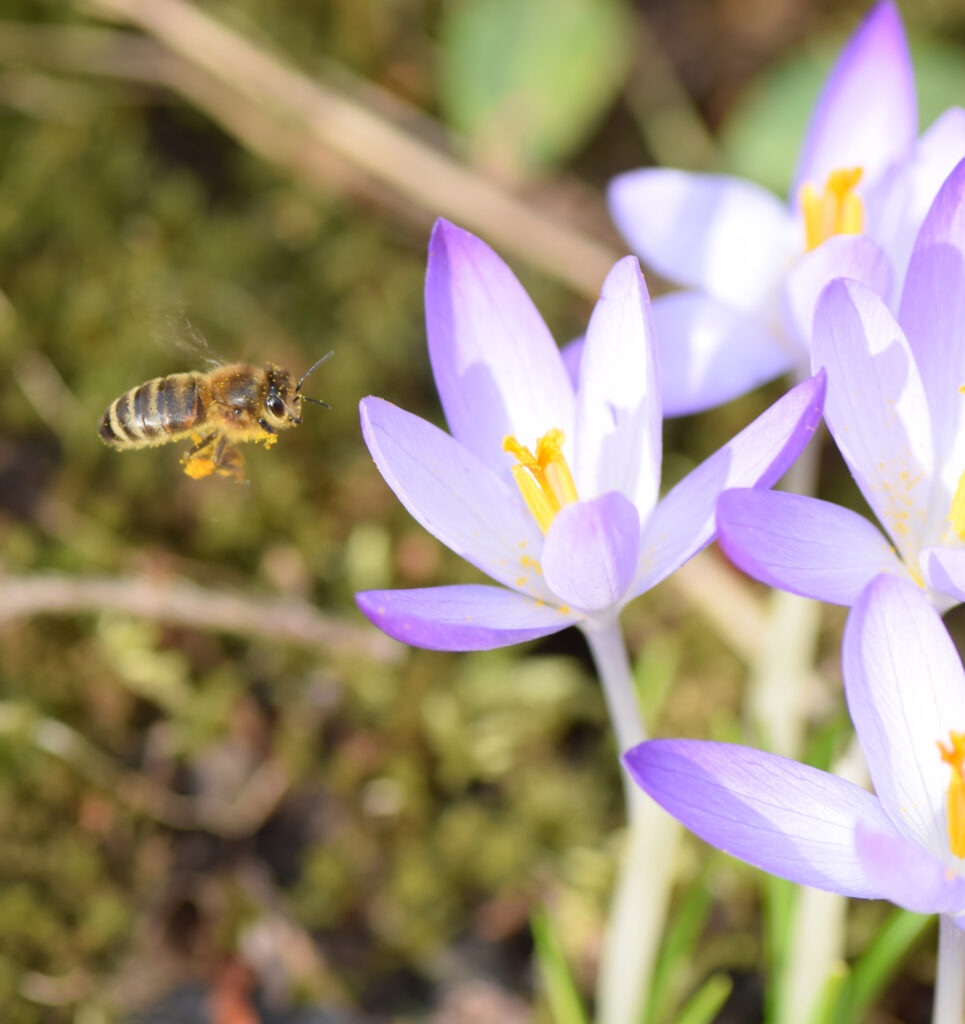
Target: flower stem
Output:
[
  {"x": 613, "y": 667},
  {"x": 641, "y": 895},
  {"x": 778, "y": 701},
  {"x": 950, "y": 976}
]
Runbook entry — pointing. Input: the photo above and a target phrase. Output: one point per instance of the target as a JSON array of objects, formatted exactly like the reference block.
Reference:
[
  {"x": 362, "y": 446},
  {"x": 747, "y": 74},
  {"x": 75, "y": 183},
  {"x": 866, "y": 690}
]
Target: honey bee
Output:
[{"x": 217, "y": 410}]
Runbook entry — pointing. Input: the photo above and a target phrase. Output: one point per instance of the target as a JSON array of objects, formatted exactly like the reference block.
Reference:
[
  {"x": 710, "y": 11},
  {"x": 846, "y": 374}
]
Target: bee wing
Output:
[{"x": 183, "y": 335}]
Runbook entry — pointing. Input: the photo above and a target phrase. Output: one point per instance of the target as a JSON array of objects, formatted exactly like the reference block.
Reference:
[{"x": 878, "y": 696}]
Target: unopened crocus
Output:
[
  {"x": 905, "y": 843},
  {"x": 896, "y": 407},
  {"x": 552, "y": 492},
  {"x": 753, "y": 265}
]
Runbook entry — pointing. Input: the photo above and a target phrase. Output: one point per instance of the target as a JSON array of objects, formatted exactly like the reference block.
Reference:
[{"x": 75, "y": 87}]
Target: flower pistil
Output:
[
  {"x": 543, "y": 479},
  {"x": 954, "y": 755},
  {"x": 837, "y": 210}
]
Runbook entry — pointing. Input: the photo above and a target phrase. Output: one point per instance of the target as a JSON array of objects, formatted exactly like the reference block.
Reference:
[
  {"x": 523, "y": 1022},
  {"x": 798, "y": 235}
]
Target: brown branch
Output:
[
  {"x": 187, "y": 604},
  {"x": 430, "y": 178}
]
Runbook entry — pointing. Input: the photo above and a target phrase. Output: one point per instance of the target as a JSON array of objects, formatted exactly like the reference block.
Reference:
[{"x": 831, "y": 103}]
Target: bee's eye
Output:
[{"x": 275, "y": 406}]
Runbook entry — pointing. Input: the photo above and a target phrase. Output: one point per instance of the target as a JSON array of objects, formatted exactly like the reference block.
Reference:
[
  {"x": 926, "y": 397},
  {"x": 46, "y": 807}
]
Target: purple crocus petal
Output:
[
  {"x": 944, "y": 570},
  {"x": 906, "y": 691},
  {"x": 714, "y": 233},
  {"x": 709, "y": 352},
  {"x": 618, "y": 417},
  {"x": 876, "y": 407},
  {"x": 932, "y": 313},
  {"x": 471, "y": 617},
  {"x": 898, "y": 203},
  {"x": 572, "y": 353},
  {"x": 457, "y": 498},
  {"x": 683, "y": 521},
  {"x": 867, "y": 115},
  {"x": 854, "y": 256},
  {"x": 590, "y": 552},
  {"x": 497, "y": 368},
  {"x": 803, "y": 545},
  {"x": 786, "y": 818},
  {"x": 908, "y": 875}
]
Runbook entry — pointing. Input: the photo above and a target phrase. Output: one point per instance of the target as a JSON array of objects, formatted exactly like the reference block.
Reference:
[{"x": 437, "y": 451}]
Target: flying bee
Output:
[{"x": 216, "y": 410}]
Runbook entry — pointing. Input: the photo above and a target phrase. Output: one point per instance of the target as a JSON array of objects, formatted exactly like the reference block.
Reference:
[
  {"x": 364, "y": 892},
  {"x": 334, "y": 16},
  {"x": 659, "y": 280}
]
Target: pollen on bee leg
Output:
[
  {"x": 544, "y": 479},
  {"x": 198, "y": 466},
  {"x": 954, "y": 755}
]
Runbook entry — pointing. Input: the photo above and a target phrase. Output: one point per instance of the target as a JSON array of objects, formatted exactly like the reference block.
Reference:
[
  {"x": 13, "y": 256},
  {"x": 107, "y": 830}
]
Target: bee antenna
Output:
[
  {"x": 312, "y": 369},
  {"x": 316, "y": 401}
]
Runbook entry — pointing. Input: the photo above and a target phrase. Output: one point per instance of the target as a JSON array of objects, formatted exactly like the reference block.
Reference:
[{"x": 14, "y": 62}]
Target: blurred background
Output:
[{"x": 223, "y": 796}]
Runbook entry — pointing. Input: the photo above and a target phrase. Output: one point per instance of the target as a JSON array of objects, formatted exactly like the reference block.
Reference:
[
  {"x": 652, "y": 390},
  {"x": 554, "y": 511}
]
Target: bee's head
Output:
[
  {"x": 282, "y": 405},
  {"x": 283, "y": 398}
]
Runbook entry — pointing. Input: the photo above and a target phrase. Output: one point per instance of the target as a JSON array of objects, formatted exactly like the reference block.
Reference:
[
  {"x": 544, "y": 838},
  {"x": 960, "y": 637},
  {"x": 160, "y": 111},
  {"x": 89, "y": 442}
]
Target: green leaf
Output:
[
  {"x": 780, "y": 902},
  {"x": 526, "y": 81},
  {"x": 710, "y": 997},
  {"x": 562, "y": 992},
  {"x": 835, "y": 984},
  {"x": 878, "y": 964},
  {"x": 677, "y": 951},
  {"x": 653, "y": 674}
]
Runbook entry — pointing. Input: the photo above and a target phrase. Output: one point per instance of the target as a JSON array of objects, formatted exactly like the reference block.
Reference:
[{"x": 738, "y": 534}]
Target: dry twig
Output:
[
  {"x": 432, "y": 179},
  {"x": 187, "y": 604}
]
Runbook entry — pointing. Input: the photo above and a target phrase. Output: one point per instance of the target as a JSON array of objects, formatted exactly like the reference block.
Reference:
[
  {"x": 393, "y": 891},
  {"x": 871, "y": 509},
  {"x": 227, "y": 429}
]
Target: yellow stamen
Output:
[
  {"x": 954, "y": 756},
  {"x": 543, "y": 479},
  {"x": 837, "y": 210},
  {"x": 956, "y": 514}
]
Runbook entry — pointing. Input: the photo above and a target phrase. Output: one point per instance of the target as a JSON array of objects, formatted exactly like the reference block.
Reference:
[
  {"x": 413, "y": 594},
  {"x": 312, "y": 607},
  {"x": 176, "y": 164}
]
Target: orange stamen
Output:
[
  {"x": 544, "y": 479},
  {"x": 954, "y": 756},
  {"x": 837, "y": 210}
]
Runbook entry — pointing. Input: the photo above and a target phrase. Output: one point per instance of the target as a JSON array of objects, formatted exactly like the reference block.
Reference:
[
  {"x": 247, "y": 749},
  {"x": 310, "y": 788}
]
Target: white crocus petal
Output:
[
  {"x": 897, "y": 205},
  {"x": 906, "y": 692},
  {"x": 590, "y": 552},
  {"x": 497, "y": 369},
  {"x": 618, "y": 416},
  {"x": 943, "y": 569},
  {"x": 710, "y": 352},
  {"x": 876, "y": 408},
  {"x": 932, "y": 314},
  {"x": 908, "y": 875},
  {"x": 720, "y": 234}
]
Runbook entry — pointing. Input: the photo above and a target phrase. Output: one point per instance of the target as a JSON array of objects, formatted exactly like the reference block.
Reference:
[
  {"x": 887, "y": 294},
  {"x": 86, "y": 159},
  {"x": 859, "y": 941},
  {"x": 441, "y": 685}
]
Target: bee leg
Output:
[
  {"x": 197, "y": 461},
  {"x": 229, "y": 462},
  {"x": 271, "y": 434}
]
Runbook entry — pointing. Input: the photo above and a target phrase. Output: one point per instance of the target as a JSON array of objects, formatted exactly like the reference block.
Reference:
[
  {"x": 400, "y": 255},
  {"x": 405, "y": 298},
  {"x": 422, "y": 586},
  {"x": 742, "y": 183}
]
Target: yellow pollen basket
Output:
[
  {"x": 837, "y": 210},
  {"x": 544, "y": 479},
  {"x": 954, "y": 755}
]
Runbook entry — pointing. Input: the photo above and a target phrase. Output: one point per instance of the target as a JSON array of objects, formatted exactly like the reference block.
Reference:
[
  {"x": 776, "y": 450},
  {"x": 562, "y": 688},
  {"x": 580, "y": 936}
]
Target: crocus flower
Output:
[
  {"x": 754, "y": 265},
  {"x": 906, "y": 694},
  {"x": 897, "y": 412},
  {"x": 550, "y": 490}
]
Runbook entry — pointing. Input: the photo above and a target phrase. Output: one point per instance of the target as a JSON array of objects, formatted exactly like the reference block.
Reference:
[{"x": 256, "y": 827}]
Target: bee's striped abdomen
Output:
[{"x": 157, "y": 412}]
